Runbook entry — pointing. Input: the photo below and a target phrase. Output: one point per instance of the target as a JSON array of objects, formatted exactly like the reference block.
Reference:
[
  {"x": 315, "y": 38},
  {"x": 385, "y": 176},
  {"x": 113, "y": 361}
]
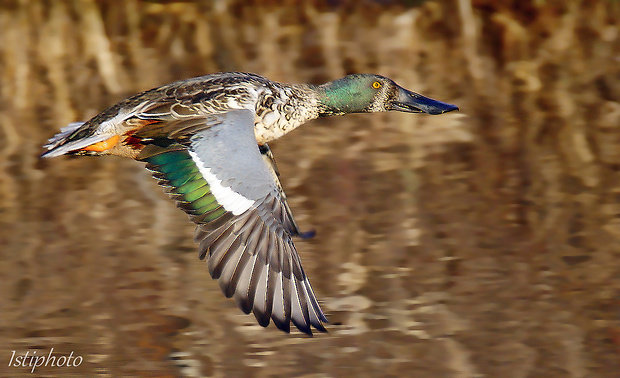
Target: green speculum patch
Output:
[{"x": 181, "y": 173}]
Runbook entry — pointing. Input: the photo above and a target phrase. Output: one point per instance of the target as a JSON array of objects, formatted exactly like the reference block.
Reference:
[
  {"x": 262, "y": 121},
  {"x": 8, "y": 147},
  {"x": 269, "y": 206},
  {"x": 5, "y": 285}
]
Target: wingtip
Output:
[
  {"x": 244, "y": 304},
  {"x": 307, "y": 235},
  {"x": 323, "y": 318},
  {"x": 303, "y": 327},
  {"x": 320, "y": 328},
  {"x": 261, "y": 318},
  {"x": 284, "y": 326},
  {"x": 307, "y": 328}
]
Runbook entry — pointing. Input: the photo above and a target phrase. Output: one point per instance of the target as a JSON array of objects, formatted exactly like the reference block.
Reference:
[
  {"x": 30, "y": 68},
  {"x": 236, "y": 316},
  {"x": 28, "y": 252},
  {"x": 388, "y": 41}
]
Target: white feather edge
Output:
[{"x": 225, "y": 196}]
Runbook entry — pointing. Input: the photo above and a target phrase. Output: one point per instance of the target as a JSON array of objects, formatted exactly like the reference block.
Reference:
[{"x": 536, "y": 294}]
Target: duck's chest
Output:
[{"x": 280, "y": 110}]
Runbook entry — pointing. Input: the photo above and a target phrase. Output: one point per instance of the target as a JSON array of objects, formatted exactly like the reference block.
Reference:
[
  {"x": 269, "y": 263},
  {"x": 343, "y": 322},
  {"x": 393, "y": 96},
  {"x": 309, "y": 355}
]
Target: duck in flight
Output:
[{"x": 205, "y": 140}]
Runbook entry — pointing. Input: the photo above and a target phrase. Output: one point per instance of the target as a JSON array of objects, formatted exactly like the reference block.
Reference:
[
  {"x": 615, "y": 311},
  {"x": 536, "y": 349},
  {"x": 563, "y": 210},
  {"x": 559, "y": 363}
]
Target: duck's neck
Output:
[
  {"x": 339, "y": 97},
  {"x": 281, "y": 111}
]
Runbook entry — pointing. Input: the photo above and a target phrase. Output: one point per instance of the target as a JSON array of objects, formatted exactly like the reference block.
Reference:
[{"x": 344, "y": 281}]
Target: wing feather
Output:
[{"x": 245, "y": 226}]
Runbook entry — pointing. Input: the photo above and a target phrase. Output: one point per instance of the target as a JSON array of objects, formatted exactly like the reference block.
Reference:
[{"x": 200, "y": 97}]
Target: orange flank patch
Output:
[{"x": 104, "y": 145}]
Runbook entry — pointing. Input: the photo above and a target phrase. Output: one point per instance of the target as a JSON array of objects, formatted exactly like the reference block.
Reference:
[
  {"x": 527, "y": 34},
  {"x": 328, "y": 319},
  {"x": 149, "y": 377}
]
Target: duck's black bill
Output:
[{"x": 412, "y": 102}]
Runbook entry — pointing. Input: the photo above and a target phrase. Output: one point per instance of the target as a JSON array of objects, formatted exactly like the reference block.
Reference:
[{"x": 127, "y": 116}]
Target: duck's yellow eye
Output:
[{"x": 376, "y": 85}]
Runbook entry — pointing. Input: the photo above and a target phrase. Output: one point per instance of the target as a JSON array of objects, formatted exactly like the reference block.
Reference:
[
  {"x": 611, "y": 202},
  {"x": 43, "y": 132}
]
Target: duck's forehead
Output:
[
  {"x": 370, "y": 77},
  {"x": 366, "y": 76},
  {"x": 382, "y": 78}
]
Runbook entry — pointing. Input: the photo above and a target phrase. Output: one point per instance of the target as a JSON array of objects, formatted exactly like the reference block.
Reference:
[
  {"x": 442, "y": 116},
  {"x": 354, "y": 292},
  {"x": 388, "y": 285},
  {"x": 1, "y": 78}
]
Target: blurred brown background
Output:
[{"x": 483, "y": 243}]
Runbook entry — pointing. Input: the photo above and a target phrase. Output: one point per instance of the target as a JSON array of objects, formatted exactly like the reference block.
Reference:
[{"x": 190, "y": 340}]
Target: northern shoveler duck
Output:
[{"x": 205, "y": 140}]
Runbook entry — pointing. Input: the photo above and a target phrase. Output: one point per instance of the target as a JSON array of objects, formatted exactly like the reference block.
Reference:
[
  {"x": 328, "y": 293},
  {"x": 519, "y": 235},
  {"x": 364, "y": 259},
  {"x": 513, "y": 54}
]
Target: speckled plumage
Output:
[
  {"x": 205, "y": 140},
  {"x": 278, "y": 108}
]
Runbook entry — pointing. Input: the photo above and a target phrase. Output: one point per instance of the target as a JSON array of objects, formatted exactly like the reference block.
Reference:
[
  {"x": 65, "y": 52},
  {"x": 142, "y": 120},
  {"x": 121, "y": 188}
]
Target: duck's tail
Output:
[{"x": 66, "y": 141}]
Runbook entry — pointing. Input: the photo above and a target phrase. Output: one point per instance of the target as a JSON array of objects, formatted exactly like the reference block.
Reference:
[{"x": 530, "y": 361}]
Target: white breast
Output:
[{"x": 269, "y": 119}]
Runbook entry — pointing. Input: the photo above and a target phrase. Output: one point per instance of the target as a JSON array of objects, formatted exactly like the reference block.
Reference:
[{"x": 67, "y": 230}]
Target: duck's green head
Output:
[{"x": 366, "y": 93}]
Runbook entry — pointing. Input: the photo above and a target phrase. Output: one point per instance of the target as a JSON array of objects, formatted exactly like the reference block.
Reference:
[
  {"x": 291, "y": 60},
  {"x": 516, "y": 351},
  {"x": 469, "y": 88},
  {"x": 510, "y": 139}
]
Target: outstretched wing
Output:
[{"x": 221, "y": 178}]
